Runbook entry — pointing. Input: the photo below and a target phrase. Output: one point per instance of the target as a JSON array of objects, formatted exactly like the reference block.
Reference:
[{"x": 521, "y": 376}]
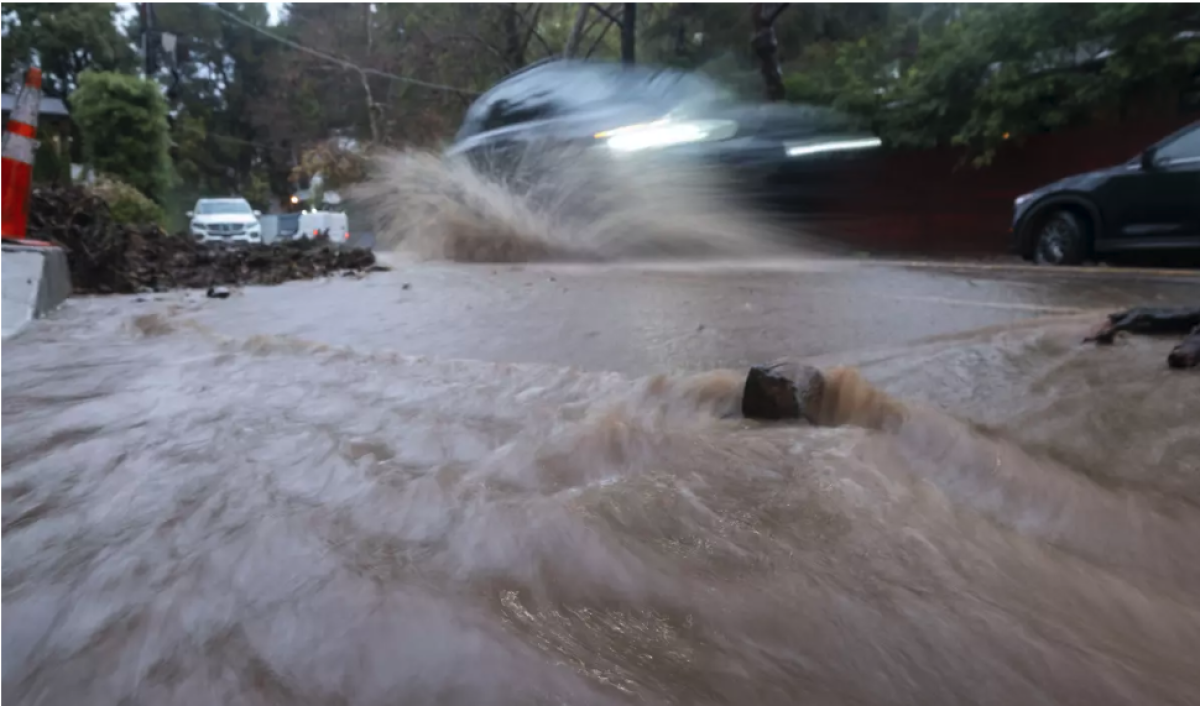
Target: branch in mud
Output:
[
  {"x": 1187, "y": 353},
  {"x": 1157, "y": 321},
  {"x": 1147, "y": 320}
]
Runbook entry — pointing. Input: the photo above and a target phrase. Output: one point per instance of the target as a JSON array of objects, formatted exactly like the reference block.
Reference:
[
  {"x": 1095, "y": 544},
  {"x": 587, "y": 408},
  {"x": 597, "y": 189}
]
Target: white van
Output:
[{"x": 318, "y": 224}]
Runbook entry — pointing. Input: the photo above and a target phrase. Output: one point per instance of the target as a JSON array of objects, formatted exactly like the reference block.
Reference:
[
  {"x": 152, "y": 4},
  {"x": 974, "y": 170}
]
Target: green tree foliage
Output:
[
  {"x": 215, "y": 82},
  {"x": 123, "y": 123},
  {"x": 979, "y": 75},
  {"x": 63, "y": 40},
  {"x": 252, "y": 113}
]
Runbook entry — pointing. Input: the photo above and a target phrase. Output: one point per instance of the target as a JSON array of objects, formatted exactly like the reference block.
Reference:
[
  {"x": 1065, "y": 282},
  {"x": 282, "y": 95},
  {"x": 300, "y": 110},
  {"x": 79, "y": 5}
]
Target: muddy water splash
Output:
[
  {"x": 191, "y": 518},
  {"x": 564, "y": 203}
]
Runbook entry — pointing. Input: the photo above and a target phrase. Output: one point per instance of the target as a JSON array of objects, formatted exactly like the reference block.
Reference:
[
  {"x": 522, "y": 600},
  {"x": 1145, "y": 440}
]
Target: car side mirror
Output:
[
  {"x": 1148, "y": 158},
  {"x": 190, "y": 214},
  {"x": 257, "y": 212}
]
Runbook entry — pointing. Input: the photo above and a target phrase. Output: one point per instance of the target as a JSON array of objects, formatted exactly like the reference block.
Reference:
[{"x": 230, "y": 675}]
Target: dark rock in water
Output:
[
  {"x": 785, "y": 390},
  {"x": 1187, "y": 353},
  {"x": 217, "y": 293}
]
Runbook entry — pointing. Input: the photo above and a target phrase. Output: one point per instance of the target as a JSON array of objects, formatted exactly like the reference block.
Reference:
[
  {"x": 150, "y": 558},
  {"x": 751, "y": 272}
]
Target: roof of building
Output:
[{"x": 49, "y": 106}]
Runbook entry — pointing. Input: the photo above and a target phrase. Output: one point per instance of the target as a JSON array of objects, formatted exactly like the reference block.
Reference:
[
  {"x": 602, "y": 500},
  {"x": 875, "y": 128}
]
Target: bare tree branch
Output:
[
  {"x": 599, "y": 39},
  {"x": 607, "y": 13},
  {"x": 576, "y": 34},
  {"x": 531, "y": 30},
  {"x": 596, "y": 20}
]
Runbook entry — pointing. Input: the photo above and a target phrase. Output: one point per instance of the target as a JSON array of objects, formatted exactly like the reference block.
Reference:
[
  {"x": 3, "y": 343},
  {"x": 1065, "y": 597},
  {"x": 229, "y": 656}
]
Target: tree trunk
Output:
[
  {"x": 576, "y": 35},
  {"x": 629, "y": 34},
  {"x": 514, "y": 49},
  {"x": 373, "y": 109},
  {"x": 766, "y": 47}
]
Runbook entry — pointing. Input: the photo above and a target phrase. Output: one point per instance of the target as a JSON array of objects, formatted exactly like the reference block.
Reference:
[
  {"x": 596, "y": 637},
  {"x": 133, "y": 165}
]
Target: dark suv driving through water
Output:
[
  {"x": 1151, "y": 202},
  {"x": 781, "y": 151}
]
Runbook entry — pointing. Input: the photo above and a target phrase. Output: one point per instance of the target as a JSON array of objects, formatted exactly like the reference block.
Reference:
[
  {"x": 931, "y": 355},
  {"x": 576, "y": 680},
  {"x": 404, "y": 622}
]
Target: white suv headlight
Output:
[{"x": 665, "y": 133}]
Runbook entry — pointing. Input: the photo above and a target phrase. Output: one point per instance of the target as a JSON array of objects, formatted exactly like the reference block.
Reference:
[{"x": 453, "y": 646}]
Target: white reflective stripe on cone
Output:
[
  {"x": 26, "y": 110},
  {"x": 19, "y": 147}
]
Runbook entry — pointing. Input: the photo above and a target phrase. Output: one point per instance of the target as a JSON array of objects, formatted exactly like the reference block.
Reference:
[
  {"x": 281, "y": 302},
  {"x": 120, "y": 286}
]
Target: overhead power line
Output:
[{"x": 339, "y": 61}]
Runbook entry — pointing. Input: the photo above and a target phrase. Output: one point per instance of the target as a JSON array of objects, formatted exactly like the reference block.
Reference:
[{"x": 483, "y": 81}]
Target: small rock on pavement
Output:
[
  {"x": 784, "y": 390},
  {"x": 217, "y": 293}
]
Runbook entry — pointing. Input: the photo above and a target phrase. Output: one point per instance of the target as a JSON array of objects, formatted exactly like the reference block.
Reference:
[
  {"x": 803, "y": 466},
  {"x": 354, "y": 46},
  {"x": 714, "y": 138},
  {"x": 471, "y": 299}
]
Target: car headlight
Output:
[
  {"x": 665, "y": 133},
  {"x": 821, "y": 146}
]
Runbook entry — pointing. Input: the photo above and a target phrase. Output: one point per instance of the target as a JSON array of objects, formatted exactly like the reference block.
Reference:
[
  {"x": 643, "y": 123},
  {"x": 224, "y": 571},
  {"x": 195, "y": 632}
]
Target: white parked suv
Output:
[{"x": 225, "y": 221}]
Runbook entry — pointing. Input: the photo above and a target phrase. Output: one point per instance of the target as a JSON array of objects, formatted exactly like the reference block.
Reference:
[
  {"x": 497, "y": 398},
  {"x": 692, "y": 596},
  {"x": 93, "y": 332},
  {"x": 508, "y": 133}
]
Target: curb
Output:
[
  {"x": 1084, "y": 270},
  {"x": 36, "y": 280}
]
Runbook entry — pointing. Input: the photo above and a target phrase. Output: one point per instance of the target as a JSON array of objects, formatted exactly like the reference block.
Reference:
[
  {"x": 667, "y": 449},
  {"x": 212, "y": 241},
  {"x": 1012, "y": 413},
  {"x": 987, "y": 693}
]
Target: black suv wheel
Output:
[{"x": 1060, "y": 239}]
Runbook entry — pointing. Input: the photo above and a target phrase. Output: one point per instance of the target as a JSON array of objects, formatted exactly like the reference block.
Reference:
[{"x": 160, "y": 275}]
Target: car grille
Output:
[{"x": 225, "y": 228}]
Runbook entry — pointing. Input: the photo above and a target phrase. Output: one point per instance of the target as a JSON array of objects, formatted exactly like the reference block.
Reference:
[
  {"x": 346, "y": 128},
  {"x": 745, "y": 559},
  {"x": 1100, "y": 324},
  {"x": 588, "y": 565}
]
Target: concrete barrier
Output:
[{"x": 35, "y": 280}]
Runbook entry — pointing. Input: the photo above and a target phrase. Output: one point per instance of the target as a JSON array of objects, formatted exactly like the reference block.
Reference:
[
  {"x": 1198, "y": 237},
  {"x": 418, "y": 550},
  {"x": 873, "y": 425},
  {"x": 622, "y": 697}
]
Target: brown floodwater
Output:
[
  {"x": 191, "y": 517},
  {"x": 236, "y": 502}
]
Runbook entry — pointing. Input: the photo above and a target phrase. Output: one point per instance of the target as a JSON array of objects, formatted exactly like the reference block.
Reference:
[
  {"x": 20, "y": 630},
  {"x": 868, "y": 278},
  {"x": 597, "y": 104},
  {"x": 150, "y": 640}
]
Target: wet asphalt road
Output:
[{"x": 649, "y": 318}]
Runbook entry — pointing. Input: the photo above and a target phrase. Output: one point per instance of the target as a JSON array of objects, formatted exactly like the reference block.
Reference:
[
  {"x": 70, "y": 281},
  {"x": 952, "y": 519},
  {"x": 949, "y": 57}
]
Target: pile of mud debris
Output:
[{"x": 109, "y": 258}]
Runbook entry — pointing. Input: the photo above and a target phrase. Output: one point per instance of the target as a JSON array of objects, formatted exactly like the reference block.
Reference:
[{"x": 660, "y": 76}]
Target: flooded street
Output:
[{"x": 528, "y": 484}]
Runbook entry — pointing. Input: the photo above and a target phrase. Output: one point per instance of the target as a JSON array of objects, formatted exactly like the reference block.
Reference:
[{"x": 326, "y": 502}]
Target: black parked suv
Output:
[
  {"x": 1151, "y": 202},
  {"x": 639, "y": 110}
]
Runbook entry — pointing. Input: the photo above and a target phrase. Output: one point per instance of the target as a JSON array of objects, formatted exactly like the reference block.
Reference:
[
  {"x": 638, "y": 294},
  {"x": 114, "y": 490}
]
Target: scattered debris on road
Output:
[
  {"x": 108, "y": 258},
  {"x": 1157, "y": 321},
  {"x": 1187, "y": 353}
]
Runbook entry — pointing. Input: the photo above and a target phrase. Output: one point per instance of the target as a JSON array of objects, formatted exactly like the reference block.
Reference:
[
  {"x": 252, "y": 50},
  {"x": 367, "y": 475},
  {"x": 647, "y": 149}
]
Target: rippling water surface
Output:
[{"x": 192, "y": 517}]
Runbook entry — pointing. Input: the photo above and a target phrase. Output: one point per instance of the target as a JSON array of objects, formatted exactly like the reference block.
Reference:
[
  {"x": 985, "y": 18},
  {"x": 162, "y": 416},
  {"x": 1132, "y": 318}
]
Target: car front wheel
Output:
[{"x": 1061, "y": 240}]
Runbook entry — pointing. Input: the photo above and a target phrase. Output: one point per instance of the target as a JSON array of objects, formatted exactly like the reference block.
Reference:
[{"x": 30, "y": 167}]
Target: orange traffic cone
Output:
[{"x": 20, "y": 145}]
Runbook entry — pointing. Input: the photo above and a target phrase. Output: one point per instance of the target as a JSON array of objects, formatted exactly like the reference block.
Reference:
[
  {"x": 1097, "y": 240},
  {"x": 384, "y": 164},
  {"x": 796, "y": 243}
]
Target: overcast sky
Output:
[{"x": 129, "y": 11}]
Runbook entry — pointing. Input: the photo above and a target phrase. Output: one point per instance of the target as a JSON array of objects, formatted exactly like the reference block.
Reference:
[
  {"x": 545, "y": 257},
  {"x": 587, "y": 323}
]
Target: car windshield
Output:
[{"x": 213, "y": 207}]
